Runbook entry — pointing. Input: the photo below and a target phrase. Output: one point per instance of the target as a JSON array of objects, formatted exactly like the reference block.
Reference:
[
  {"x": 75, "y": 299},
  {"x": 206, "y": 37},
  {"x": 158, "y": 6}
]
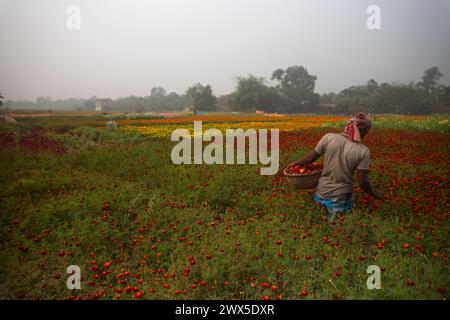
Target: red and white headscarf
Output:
[{"x": 360, "y": 121}]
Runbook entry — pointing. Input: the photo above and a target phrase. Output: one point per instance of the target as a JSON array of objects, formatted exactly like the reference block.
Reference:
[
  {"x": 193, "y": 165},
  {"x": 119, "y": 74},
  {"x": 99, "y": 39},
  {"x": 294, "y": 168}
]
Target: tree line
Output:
[{"x": 291, "y": 90}]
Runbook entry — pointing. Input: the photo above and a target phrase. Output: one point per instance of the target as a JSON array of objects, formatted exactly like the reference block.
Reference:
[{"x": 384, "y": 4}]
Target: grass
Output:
[
  {"x": 435, "y": 123},
  {"x": 116, "y": 196}
]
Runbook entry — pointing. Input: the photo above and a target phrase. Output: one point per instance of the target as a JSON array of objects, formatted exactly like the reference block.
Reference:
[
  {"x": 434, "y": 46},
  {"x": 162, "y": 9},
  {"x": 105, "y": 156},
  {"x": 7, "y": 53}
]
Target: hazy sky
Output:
[{"x": 127, "y": 47}]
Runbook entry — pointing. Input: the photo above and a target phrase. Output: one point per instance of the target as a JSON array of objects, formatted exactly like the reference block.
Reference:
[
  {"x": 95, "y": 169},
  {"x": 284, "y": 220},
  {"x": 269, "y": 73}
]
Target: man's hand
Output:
[
  {"x": 307, "y": 159},
  {"x": 363, "y": 180},
  {"x": 294, "y": 163}
]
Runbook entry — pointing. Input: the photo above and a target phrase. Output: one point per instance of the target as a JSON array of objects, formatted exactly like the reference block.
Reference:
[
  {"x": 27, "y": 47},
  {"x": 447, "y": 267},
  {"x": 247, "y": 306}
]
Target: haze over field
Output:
[{"x": 126, "y": 48}]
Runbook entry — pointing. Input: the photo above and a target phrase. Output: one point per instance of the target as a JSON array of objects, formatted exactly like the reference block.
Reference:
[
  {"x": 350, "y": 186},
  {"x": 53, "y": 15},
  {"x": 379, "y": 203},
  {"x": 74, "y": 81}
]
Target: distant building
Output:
[{"x": 98, "y": 105}]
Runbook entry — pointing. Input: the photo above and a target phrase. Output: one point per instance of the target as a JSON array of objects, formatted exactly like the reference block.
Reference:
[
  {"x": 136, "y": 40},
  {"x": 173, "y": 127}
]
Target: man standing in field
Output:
[{"x": 343, "y": 154}]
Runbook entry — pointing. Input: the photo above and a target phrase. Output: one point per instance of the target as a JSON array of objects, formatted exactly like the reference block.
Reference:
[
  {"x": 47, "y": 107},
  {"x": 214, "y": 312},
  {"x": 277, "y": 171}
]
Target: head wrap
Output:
[{"x": 360, "y": 121}]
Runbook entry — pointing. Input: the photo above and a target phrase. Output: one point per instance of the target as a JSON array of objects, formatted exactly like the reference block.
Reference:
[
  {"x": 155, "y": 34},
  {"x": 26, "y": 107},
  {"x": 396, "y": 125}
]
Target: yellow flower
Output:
[{"x": 164, "y": 127}]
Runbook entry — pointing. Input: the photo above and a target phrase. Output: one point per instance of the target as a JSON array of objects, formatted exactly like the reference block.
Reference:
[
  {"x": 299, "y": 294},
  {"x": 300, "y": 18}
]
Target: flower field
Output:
[
  {"x": 74, "y": 192},
  {"x": 164, "y": 127}
]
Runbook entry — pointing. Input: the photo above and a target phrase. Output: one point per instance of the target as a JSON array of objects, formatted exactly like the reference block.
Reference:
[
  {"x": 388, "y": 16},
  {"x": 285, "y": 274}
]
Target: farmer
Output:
[{"x": 343, "y": 154}]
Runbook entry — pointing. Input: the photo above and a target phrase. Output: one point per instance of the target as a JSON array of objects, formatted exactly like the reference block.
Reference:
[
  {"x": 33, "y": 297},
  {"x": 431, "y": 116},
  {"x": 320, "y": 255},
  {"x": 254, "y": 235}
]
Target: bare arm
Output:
[
  {"x": 363, "y": 181},
  {"x": 308, "y": 158}
]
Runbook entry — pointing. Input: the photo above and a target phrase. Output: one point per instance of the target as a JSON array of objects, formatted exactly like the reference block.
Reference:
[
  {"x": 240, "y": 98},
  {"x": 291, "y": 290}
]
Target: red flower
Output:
[{"x": 304, "y": 292}]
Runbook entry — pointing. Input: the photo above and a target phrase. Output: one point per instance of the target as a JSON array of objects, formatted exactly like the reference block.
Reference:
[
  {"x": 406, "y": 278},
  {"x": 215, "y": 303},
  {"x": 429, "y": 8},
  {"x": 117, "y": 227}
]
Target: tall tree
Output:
[
  {"x": 252, "y": 93},
  {"x": 430, "y": 82},
  {"x": 157, "y": 99},
  {"x": 202, "y": 98},
  {"x": 158, "y": 92},
  {"x": 297, "y": 85},
  {"x": 372, "y": 86}
]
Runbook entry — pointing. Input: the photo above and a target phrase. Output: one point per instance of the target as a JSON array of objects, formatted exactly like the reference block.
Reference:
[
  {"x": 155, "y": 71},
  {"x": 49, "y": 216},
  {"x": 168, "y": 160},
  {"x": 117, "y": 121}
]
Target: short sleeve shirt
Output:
[{"x": 341, "y": 158}]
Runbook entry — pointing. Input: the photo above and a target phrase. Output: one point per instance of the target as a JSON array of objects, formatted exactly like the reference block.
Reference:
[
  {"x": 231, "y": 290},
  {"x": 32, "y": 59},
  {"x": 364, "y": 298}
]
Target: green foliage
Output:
[
  {"x": 425, "y": 97},
  {"x": 297, "y": 87},
  {"x": 383, "y": 99},
  {"x": 293, "y": 93},
  {"x": 436, "y": 123},
  {"x": 202, "y": 98},
  {"x": 157, "y": 101},
  {"x": 430, "y": 78},
  {"x": 252, "y": 94}
]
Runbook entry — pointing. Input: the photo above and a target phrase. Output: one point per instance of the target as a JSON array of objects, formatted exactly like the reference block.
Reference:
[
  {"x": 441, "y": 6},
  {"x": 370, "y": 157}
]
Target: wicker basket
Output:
[{"x": 303, "y": 181}]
